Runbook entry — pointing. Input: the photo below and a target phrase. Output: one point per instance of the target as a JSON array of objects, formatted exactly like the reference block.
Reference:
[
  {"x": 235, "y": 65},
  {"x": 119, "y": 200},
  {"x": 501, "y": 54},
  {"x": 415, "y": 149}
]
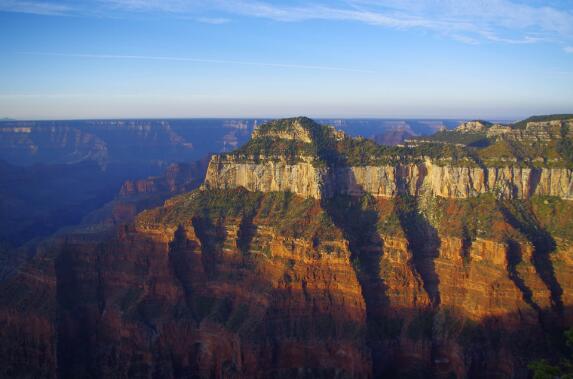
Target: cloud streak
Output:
[
  {"x": 201, "y": 60},
  {"x": 34, "y": 7},
  {"x": 467, "y": 21},
  {"x": 213, "y": 20}
]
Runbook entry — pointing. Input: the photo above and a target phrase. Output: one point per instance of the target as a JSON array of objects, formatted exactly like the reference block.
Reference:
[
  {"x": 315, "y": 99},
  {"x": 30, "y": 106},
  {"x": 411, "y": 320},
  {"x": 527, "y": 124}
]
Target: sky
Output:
[{"x": 491, "y": 59}]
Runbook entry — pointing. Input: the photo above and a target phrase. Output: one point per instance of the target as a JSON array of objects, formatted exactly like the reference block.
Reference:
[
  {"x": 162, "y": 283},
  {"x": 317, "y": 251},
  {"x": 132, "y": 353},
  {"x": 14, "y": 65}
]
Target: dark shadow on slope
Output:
[
  {"x": 543, "y": 244},
  {"x": 211, "y": 237},
  {"x": 366, "y": 247},
  {"x": 514, "y": 257},
  {"x": 357, "y": 218},
  {"x": 179, "y": 249},
  {"x": 534, "y": 179},
  {"x": 74, "y": 327},
  {"x": 424, "y": 242},
  {"x": 246, "y": 232},
  {"x": 466, "y": 246}
]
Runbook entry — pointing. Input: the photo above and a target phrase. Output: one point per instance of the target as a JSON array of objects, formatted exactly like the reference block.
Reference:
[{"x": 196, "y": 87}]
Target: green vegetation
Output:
[
  {"x": 500, "y": 150},
  {"x": 513, "y": 149},
  {"x": 329, "y": 148},
  {"x": 565, "y": 145},
  {"x": 542, "y": 369},
  {"x": 362, "y": 152},
  {"x": 537, "y": 220},
  {"x": 475, "y": 217},
  {"x": 291, "y": 215},
  {"x": 286, "y": 124},
  {"x": 475, "y": 139},
  {"x": 554, "y": 215},
  {"x": 269, "y": 147},
  {"x": 553, "y": 117}
]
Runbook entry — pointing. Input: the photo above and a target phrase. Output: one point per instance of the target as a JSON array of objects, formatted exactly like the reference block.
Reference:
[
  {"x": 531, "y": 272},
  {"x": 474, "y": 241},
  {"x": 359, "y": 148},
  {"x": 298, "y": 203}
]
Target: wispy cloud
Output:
[
  {"x": 173, "y": 6},
  {"x": 213, "y": 20},
  {"x": 201, "y": 60},
  {"x": 34, "y": 7},
  {"x": 467, "y": 21},
  {"x": 568, "y": 49}
]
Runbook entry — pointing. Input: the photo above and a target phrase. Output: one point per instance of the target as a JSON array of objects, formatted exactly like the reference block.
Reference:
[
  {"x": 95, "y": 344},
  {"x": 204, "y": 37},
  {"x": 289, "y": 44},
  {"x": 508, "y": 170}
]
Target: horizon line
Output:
[{"x": 388, "y": 118}]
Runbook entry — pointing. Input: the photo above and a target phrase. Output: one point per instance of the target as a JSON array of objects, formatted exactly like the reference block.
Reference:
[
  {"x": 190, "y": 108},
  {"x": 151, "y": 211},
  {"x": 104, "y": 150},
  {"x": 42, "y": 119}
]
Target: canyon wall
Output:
[
  {"x": 256, "y": 294},
  {"x": 237, "y": 299},
  {"x": 302, "y": 178},
  {"x": 308, "y": 179}
]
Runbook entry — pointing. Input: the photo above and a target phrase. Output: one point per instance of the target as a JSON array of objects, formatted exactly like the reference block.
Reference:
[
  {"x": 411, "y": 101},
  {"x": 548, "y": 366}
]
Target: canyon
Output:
[{"x": 311, "y": 254}]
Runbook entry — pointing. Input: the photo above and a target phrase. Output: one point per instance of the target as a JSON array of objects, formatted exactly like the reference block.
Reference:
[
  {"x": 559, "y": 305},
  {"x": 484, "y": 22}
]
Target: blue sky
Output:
[{"x": 227, "y": 58}]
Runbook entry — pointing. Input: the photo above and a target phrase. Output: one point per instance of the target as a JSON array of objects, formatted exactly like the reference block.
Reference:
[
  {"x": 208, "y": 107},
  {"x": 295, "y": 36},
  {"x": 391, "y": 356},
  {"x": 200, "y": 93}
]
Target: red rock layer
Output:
[{"x": 238, "y": 296}]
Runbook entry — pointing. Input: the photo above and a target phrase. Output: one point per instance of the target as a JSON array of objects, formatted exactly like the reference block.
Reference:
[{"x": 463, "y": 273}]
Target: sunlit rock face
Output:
[
  {"x": 302, "y": 168},
  {"x": 302, "y": 178}
]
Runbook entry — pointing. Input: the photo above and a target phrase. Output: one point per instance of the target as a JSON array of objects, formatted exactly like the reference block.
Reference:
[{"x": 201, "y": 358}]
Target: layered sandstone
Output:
[
  {"x": 313, "y": 173},
  {"x": 240, "y": 298},
  {"x": 308, "y": 180},
  {"x": 266, "y": 175},
  {"x": 230, "y": 282}
]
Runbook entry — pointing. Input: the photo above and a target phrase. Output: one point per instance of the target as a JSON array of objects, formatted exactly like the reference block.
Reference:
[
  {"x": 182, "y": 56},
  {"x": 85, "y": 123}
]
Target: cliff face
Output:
[
  {"x": 233, "y": 283},
  {"x": 270, "y": 175},
  {"x": 177, "y": 178},
  {"x": 307, "y": 180},
  {"x": 211, "y": 298},
  {"x": 306, "y": 168}
]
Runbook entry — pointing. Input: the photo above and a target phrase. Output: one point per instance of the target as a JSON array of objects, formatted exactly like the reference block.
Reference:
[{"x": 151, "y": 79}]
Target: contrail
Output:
[{"x": 199, "y": 60}]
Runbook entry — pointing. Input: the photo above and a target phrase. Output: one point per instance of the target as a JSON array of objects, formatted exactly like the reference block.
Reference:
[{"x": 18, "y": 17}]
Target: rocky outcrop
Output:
[
  {"x": 266, "y": 175},
  {"x": 177, "y": 178},
  {"x": 295, "y": 132},
  {"x": 524, "y": 131},
  {"x": 533, "y": 131},
  {"x": 309, "y": 180},
  {"x": 473, "y": 126}
]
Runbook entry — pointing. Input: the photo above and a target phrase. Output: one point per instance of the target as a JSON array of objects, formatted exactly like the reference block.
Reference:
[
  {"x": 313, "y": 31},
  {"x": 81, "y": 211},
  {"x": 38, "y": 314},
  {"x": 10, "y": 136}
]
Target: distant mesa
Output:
[
  {"x": 317, "y": 161},
  {"x": 291, "y": 129},
  {"x": 473, "y": 126}
]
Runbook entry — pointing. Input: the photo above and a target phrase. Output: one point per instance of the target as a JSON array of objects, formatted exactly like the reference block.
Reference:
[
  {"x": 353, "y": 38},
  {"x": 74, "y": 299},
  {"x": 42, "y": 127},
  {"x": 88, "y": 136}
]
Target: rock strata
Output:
[{"x": 307, "y": 180}]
